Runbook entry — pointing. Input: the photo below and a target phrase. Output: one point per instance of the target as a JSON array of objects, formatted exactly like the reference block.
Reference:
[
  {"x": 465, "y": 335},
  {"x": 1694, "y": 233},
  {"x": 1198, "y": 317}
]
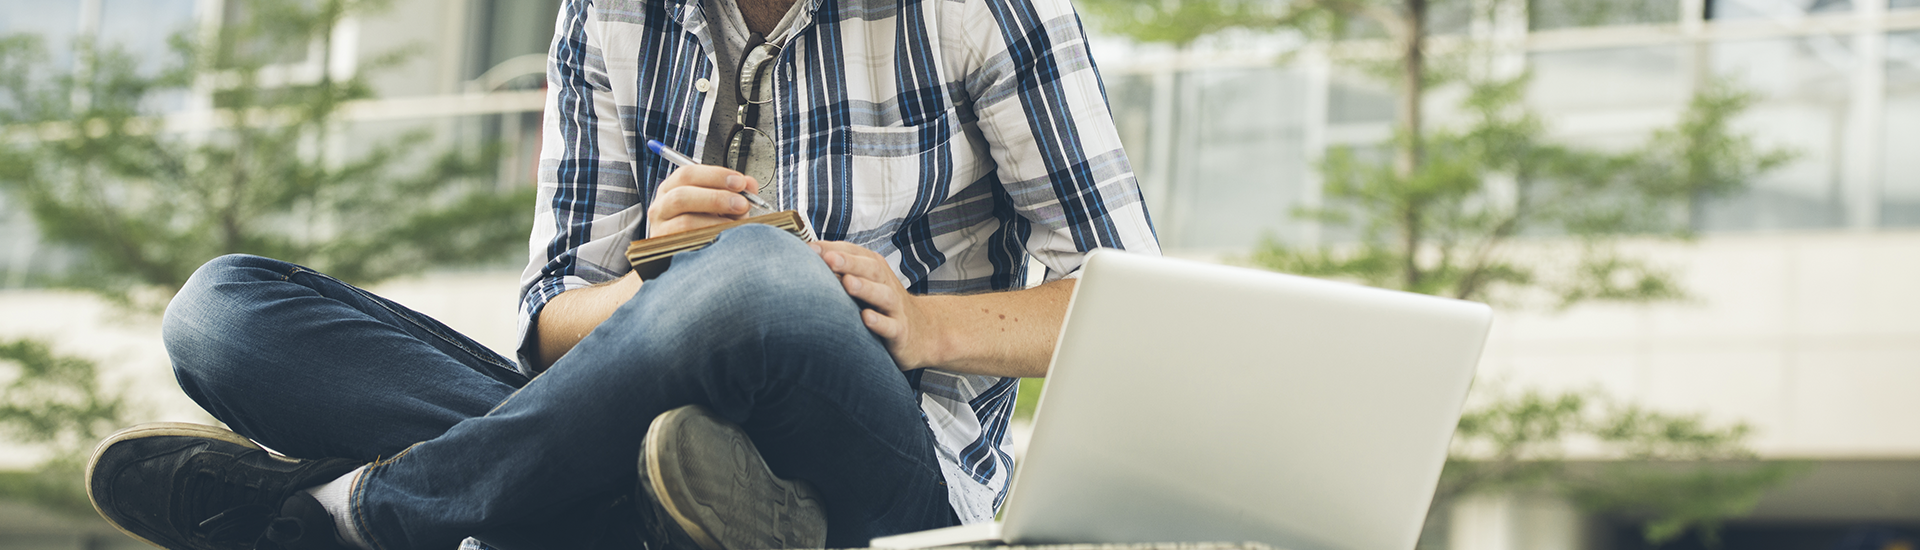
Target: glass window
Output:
[
  {"x": 1558, "y": 14},
  {"x": 1451, "y": 17},
  {"x": 1130, "y": 99},
  {"x": 1350, "y": 101},
  {"x": 142, "y": 28},
  {"x": 22, "y": 259},
  {"x": 1607, "y": 79},
  {"x": 1237, "y": 164},
  {"x": 283, "y": 50},
  {"x": 512, "y": 28},
  {"x": 1803, "y": 104},
  {"x": 57, "y": 23},
  {"x": 1773, "y": 9},
  {"x": 1900, "y": 193}
]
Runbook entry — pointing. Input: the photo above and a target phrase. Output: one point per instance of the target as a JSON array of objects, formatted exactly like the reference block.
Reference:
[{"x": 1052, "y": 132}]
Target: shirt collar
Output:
[
  {"x": 808, "y": 10},
  {"x": 687, "y": 12}
]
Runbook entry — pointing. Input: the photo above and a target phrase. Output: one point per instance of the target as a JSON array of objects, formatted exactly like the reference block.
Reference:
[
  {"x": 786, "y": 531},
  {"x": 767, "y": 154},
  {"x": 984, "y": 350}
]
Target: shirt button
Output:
[{"x": 703, "y": 85}]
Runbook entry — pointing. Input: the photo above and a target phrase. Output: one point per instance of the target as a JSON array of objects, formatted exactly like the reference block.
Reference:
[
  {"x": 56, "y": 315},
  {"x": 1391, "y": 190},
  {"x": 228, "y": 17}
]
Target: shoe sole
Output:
[
  {"x": 667, "y": 427},
  {"x": 156, "y": 429}
]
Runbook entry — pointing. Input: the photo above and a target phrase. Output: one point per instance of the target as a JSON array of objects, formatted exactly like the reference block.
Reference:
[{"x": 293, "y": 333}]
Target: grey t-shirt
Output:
[{"x": 730, "y": 38}]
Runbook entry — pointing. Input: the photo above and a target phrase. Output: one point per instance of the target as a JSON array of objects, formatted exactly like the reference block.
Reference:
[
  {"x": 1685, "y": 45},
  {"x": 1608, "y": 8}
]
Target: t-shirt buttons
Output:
[{"x": 703, "y": 85}]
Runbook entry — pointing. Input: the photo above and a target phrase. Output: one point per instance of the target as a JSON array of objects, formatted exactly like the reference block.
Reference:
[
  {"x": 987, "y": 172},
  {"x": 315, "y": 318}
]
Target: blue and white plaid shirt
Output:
[{"x": 956, "y": 138}]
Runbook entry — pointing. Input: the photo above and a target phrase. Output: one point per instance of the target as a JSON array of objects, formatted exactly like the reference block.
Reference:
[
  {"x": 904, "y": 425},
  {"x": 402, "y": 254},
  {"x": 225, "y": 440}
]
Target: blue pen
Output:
[{"x": 682, "y": 161}]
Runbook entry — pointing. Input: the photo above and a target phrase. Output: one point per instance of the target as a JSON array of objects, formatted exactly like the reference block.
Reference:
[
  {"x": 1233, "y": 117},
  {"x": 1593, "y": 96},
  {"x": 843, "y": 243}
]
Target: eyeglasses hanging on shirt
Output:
[{"x": 750, "y": 149}]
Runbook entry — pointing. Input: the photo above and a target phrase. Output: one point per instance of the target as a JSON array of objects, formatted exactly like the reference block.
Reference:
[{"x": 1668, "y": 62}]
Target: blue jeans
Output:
[{"x": 755, "y": 327}]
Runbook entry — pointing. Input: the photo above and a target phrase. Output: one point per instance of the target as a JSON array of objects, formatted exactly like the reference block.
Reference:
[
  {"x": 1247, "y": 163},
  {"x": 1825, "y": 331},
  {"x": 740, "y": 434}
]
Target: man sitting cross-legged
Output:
[{"x": 763, "y": 392}]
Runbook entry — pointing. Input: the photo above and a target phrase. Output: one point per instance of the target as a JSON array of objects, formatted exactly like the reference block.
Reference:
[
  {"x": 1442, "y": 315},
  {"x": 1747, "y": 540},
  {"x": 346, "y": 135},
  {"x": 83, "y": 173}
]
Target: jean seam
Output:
[
  {"x": 358, "y": 513},
  {"x": 357, "y": 507},
  {"x": 488, "y": 357},
  {"x": 503, "y": 402},
  {"x": 396, "y": 457}
]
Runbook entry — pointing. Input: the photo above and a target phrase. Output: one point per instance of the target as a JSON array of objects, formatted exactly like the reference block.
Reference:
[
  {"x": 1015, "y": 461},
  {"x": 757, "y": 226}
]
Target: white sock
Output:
[{"x": 335, "y": 497}]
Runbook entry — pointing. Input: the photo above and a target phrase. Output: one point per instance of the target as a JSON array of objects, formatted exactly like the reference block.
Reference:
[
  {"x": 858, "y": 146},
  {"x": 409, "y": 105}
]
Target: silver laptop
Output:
[{"x": 1190, "y": 402}]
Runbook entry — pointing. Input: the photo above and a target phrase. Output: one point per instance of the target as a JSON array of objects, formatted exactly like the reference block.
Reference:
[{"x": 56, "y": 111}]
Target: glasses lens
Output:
[{"x": 756, "y": 78}]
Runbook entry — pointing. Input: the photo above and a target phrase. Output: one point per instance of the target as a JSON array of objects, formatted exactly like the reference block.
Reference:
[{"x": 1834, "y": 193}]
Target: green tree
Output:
[
  {"x": 1435, "y": 218},
  {"x": 144, "y": 205},
  {"x": 1436, "y": 210},
  {"x": 1479, "y": 189},
  {"x": 55, "y": 403},
  {"x": 1673, "y": 472},
  {"x": 87, "y": 154}
]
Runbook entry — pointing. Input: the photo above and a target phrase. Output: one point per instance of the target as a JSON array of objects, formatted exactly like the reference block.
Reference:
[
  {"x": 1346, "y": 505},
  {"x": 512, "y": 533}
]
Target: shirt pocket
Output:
[{"x": 901, "y": 171}]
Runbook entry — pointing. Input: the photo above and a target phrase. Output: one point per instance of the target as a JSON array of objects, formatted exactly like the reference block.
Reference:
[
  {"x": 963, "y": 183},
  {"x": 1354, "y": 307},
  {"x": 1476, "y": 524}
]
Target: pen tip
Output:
[{"x": 654, "y": 145}]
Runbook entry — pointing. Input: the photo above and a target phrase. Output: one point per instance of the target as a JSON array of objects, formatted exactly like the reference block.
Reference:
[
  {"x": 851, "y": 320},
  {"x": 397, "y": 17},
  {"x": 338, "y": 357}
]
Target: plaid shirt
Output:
[{"x": 956, "y": 138}]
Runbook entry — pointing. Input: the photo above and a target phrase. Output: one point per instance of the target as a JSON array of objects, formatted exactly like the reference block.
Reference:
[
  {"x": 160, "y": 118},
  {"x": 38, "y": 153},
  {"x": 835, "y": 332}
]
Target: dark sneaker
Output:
[
  {"x": 302, "y": 525},
  {"x": 192, "y": 487},
  {"x": 711, "y": 489}
]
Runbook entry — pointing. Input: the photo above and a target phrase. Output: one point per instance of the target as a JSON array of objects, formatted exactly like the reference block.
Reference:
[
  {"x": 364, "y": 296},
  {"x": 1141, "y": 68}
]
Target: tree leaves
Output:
[
  {"x": 57, "y": 402},
  {"x": 1673, "y": 472},
  {"x": 85, "y": 152},
  {"x": 144, "y": 207},
  {"x": 1181, "y": 21},
  {"x": 55, "y": 399},
  {"x": 1442, "y": 210}
]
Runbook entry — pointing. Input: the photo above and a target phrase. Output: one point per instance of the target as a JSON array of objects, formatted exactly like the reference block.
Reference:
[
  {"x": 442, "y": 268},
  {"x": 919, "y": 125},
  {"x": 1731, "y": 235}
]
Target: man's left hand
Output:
[{"x": 911, "y": 335}]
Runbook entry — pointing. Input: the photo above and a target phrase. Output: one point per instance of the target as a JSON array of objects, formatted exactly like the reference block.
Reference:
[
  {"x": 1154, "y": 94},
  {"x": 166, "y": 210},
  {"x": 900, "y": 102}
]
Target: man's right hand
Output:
[
  {"x": 690, "y": 198},
  {"x": 693, "y": 197}
]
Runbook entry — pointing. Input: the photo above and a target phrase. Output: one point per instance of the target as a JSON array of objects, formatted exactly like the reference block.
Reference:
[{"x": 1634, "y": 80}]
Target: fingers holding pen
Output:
[
  {"x": 697, "y": 196},
  {"x": 699, "y": 200}
]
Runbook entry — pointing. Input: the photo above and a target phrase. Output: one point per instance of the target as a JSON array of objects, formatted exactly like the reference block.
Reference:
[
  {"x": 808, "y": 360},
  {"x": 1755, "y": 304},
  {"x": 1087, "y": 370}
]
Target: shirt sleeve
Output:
[
  {"x": 588, "y": 202},
  {"x": 1043, "y": 112}
]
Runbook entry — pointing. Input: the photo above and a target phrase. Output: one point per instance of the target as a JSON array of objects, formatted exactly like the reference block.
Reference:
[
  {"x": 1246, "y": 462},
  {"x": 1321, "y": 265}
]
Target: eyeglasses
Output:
[{"x": 756, "y": 89}]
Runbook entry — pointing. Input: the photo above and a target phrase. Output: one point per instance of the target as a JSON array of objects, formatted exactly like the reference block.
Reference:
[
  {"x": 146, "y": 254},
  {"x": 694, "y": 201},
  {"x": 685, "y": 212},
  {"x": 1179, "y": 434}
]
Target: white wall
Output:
[
  {"x": 1530, "y": 522},
  {"x": 1814, "y": 339}
]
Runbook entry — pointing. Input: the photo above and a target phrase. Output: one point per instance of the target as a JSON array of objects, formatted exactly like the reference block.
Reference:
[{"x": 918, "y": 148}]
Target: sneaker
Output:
[
  {"x": 192, "y": 487},
  {"x": 711, "y": 489},
  {"x": 303, "y": 525}
]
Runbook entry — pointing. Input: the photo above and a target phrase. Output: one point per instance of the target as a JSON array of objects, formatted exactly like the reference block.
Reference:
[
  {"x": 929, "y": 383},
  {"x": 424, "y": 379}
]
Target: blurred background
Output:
[{"x": 1699, "y": 221}]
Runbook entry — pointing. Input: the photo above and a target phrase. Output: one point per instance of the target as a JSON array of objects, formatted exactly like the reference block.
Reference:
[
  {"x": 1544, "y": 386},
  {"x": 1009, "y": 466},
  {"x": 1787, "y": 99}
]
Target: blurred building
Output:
[
  {"x": 473, "y": 73},
  {"x": 1807, "y": 285}
]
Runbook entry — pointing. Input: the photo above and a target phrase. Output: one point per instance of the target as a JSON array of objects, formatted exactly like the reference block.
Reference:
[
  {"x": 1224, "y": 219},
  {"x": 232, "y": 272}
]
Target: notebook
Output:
[{"x": 651, "y": 257}]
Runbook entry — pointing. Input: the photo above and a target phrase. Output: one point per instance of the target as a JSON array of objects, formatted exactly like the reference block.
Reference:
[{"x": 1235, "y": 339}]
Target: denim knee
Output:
[
  {"x": 197, "y": 326},
  {"x": 755, "y": 286},
  {"x": 779, "y": 282}
]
